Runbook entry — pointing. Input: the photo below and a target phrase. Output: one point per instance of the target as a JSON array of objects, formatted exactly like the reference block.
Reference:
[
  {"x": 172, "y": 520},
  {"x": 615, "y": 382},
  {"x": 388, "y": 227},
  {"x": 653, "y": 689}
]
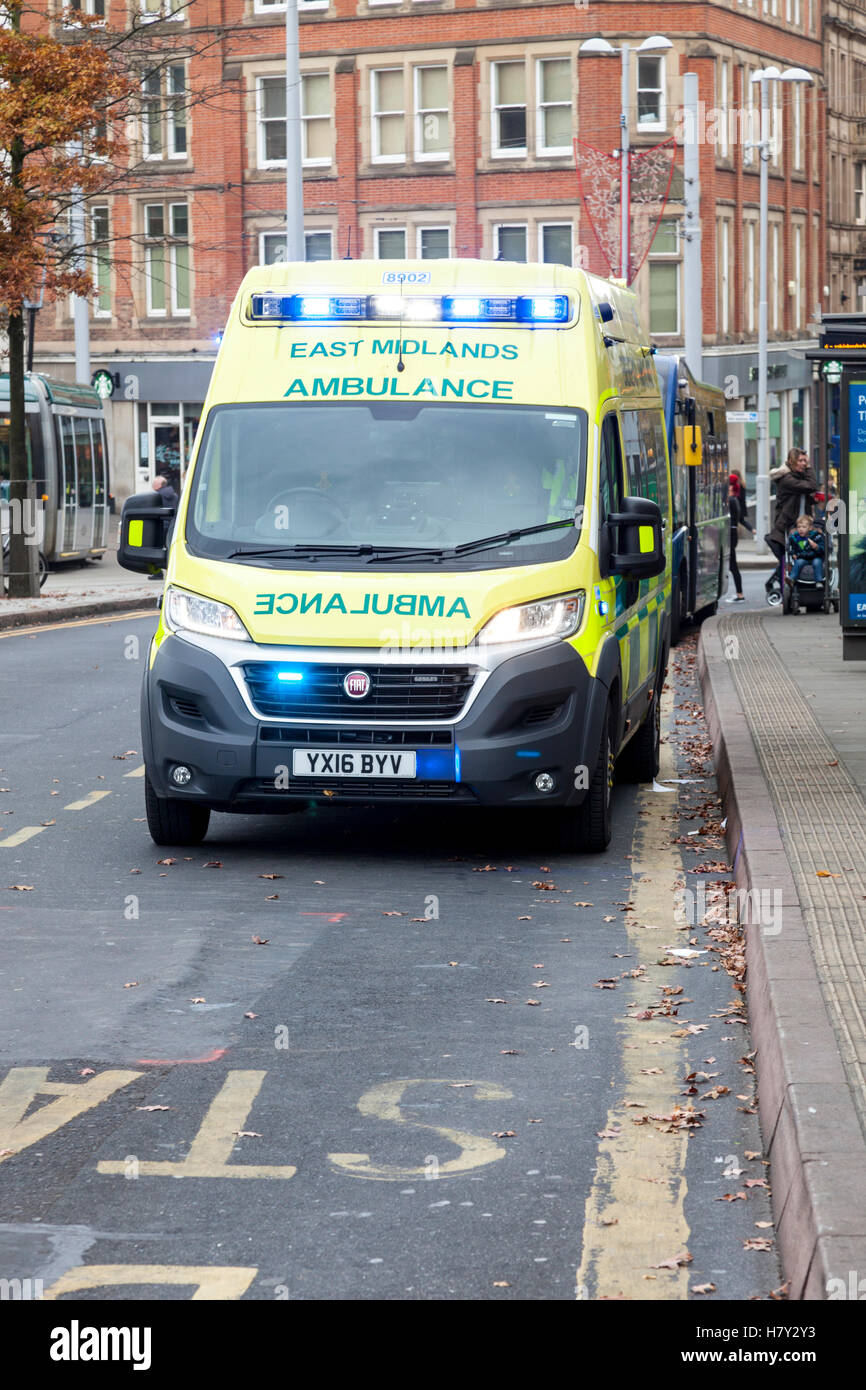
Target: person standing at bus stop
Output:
[
  {"x": 795, "y": 484},
  {"x": 737, "y": 509}
]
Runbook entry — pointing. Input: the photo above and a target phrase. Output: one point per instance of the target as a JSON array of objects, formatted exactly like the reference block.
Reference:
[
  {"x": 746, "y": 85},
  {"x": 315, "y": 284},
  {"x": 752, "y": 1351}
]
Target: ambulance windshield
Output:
[{"x": 373, "y": 477}]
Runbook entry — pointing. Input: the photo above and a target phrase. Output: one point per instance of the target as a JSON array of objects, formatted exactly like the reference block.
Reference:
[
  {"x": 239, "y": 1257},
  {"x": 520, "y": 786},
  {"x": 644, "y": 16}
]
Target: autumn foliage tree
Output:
[{"x": 61, "y": 100}]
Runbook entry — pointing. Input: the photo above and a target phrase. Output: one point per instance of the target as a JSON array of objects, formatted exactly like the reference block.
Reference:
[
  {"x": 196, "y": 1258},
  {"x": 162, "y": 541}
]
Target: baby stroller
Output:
[{"x": 802, "y": 588}]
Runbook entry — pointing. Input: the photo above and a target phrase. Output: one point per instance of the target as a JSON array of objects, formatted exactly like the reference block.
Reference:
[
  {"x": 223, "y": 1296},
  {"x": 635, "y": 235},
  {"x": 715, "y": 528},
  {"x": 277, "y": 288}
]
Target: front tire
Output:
[
  {"x": 174, "y": 822},
  {"x": 588, "y": 829}
]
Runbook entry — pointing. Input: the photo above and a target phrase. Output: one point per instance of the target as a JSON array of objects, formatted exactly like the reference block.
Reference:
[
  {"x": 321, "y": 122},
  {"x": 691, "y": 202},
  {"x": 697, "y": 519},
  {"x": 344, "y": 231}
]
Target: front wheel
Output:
[
  {"x": 589, "y": 827},
  {"x": 174, "y": 822}
]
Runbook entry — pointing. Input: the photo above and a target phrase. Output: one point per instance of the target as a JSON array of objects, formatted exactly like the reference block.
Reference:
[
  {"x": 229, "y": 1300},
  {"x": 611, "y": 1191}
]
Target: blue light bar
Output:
[
  {"x": 290, "y": 675},
  {"x": 544, "y": 309},
  {"x": 436, "y": 765}
]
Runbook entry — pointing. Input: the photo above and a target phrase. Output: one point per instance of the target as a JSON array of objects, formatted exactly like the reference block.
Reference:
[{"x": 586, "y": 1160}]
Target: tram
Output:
[{"x": 67, "y": 458}]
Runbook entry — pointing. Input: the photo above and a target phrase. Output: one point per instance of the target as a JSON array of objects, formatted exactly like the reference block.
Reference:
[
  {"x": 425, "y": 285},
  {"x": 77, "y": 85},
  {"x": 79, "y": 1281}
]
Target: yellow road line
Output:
[
  {"x": 18, "y": 837},
  {"x": 33, "y": 628},
  {"x": 136, "y": 772},
  {"x": 223, "y": 1283},
  {"x": 86, "y": 801},
  {"x": 634, "y": 1216}
]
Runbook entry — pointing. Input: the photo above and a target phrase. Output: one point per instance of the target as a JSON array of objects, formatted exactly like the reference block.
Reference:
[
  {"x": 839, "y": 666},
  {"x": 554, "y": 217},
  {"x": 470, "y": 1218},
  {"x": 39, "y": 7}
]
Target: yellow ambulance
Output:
[{"x": 422, "y": 551}]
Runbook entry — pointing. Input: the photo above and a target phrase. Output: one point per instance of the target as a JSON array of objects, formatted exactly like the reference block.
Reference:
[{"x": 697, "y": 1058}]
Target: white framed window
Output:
[
  {"x": 316, "y": 118},
  {"x": 722, "y": 104},
  {"x": 510, "y": 241},
  {"x": 775, "y": 277},
  {"x": 860, "y": 194},
  {"x": 556, "y": 243},
  {"x": 167, "y": 259},
  {"x": 797, "y": 124},
  {"x": 97, "y": 8},
  {"x": 750, "y": 115},
  {"x": 164, "y": 132},
  {"x": 651, "y": 113},
  {"x": 152, "y": 10},
  {"x": 723, "y": 282},
  {"x": 798, "y": 276},
  {"x": 278, "y": 6},
  {"x": 664, "y": 279},
  {"x": 390, "y": 243},
  {"x": 318, "y": 246},
  {"x": 431, "y": 112},
  {"x": 387, "y": 100},
  {"x": 553, "y": 118},
  {"x": 433, "y": 243},
  {"x": 749, "y": 279},
  {"x": 100, "y": 261},
  {"x": 508, "y": 110}
]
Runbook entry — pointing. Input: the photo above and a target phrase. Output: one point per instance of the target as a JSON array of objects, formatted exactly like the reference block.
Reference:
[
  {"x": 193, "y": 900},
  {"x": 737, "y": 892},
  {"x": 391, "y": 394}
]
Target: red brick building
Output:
[{"x": 444, "y": 128}]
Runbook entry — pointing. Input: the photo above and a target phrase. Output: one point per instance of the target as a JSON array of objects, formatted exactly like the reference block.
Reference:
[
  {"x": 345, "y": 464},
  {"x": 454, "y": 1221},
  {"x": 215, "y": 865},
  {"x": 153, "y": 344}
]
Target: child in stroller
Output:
[{"x": 804, "y": 580}]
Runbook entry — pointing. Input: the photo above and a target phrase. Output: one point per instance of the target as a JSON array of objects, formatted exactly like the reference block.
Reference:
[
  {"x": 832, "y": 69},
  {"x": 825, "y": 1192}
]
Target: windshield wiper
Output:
[
  {"x": 300, "y": 550},
  {"x": 483, "y": 542}
]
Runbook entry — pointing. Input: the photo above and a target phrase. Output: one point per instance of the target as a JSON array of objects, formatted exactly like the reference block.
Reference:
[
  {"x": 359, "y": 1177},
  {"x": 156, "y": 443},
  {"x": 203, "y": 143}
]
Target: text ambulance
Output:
[{"x": 422, "y": 550}]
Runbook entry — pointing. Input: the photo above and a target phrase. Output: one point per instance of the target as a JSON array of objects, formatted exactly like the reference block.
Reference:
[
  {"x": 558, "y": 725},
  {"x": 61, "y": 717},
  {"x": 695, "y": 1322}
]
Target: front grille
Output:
[
  {"x": 389, "y": 738},
  {"x": 397, "y": 692},
  {"x": 185, "y": 707},
  {"x": 540, "y": 714},
  {"x": 356, "y": 788}
]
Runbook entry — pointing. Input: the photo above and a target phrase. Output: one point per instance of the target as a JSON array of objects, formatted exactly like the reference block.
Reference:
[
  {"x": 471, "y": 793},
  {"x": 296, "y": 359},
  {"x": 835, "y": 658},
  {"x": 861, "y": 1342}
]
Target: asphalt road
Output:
[{"x": 414, "y": 1087}]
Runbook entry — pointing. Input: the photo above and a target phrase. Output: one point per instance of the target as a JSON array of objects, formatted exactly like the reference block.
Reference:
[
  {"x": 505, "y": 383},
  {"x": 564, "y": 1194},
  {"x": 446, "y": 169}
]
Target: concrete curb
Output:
[
  {"x": 47, "y": 612},
  {"x": 811, "y": 1132}
]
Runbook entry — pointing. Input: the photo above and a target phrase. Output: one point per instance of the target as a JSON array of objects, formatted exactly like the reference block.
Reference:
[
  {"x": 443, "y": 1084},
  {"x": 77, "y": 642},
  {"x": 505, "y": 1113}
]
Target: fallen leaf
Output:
[
  {"x": 533, "y": 1001},
  {"x": 609, "y": 1221},
  {"x": 20, "y": 888},
  {"x": 733, "y": 1197},
  {"x": 453, "y": 962},
  {"x": 605, "y": 984},
  {"x": 756, "y": 1182},
  {"x": 154, "y": 1107},
  {"x": 132, "y": 984},
  {"x": 509, "y": 1052},
  {"x": 260, "y": 940},
  {"x": 757, "y": 1243},
  {"x": 247, "y": 1134},
  {"x": 496, "y": 1001},
  {"x": 501, "y": 1284},
  {"x": 249, "y": 1015},
  {"x": 87, "y": 1071},
  {"x": 48, "y": 822},
  {"x": 703, "y": 1288},
  {"x": 166, "y": 861},
  {"x": 392, "y": 914},
  {"x": 764, "y": 1225},
  {"x": 271, "y": 897},
  {"x": 652, "y": 1071},
  {"x": 752, "y": 1153},
  {"x": 608, "y": 1133},
  {"x": 271, "y": 875},
  {"x": 503, "y": 1133},
  {"x": 683, "y": 1258},
  {"x": 213, "y": 864},
  {"x": 524, "y": 919},
  {"x": 199, "y": 999},
  {"x": 135, "y": 871},
  {"x": 583, "y": 904}
]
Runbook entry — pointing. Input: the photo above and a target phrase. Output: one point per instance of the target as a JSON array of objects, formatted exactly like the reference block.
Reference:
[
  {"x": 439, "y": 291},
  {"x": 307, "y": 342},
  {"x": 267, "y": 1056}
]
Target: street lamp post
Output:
[
  {"x": 294, "y": 166},
  {"x": 762, "y": 482},
  {"x": 656, "y": 43}
]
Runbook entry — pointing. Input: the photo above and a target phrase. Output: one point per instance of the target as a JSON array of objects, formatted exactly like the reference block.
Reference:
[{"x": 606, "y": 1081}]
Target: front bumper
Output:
[{"x": 529, "y": 712}]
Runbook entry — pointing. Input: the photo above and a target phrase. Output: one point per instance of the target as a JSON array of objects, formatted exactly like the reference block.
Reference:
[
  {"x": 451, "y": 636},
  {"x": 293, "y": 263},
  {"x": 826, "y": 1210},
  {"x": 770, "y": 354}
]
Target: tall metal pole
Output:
[
  {"x": 762, "y": 495},
  {"x": 294, "y": 169},
  {"x": 624, "y": 189},
  {"x": 80, "y": 312},
  {"x": 692, "y": 268}
]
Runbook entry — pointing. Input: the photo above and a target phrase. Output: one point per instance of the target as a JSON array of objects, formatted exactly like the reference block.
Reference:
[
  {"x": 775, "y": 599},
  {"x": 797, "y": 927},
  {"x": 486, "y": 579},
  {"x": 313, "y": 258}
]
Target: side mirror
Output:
[
  {"x": 637, "y": 548},
  {"x": 689, "y": 444},
  {"x": 144, "y": 524}
]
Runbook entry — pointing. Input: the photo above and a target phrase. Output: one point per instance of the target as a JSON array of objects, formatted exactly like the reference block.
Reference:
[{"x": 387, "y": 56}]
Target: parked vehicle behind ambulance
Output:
[{"x": 422, "y": 551}]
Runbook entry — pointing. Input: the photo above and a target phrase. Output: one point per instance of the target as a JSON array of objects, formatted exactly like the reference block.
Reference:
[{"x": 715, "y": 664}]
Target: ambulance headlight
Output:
[
  {"x": 185, "y": 612},
  {"x": 528, "y": 622}
]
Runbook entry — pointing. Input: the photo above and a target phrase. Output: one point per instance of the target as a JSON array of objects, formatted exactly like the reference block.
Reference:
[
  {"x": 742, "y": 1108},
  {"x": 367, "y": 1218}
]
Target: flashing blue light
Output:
[
  {"x": 290, "y": 675},
  {"x": 308, "y": 307},
  {"x": 542, "y": 308},
  {"x": 456, "y": 764},
  {"x": 473, "y": 309},
  {"x": 528, "y": 753},
  {"x": 437, "y": 765}
]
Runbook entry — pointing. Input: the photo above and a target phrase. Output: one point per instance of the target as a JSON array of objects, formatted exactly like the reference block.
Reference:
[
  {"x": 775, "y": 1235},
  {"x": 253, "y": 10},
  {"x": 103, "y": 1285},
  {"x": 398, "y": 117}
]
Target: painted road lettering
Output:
[
  {"x": 383, "y": 1102},
  {"x": 213, "y": 1145},
  {"x": 222, "y": 1282},
  {"x": 22, "y": 1085}
]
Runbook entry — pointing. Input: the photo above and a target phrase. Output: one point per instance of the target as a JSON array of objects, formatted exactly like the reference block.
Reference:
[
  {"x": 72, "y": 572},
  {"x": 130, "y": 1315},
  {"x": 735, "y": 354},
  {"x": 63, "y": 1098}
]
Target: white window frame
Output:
[
  {"x": 860, "y": 193},
  {"x": 94, "y": 258},
  {"x": 432, "y": 227},
  {"x": 673, "y": 257},
  {"x": 496, "y": 152},
  {"x": 377, "y": 231},
  {"x": 524, "y": 227},
  {"x": 660, "y": 124},
  {"x": 419, "y": 116},
  {"x": 798, "y": 229},
  {"x": 553, "y": 222},
  {"x": 168, "y": 124},
  {"x": 169, "y": 243},
  {"x": 724, "y": 281},
  {"x": 749, "y": 280},
  {"x": 87, "y": 7},
  {"x": 147, "y": 17},
  {"x": 722, "y": 128},
  {"x": 375, "y": 114},
  {"x": 541, "y": 106},
  {"x": 797, "y": 125},
  {"x": 261, "y": 161},
  {"x": 308, "y": 232},
  {"x": 316, "y": 161},
  {"x": 274, "y": 6}
]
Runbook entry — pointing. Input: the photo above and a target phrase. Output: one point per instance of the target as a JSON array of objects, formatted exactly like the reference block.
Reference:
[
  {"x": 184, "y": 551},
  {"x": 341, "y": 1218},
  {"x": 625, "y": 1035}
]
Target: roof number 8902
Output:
[{"x": 406, "y": 277}]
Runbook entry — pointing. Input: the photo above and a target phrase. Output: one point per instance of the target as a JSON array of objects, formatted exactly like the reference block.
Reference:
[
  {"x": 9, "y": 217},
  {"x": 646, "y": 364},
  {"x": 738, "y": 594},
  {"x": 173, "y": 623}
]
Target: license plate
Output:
[{"x": 361, "y": 762}]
